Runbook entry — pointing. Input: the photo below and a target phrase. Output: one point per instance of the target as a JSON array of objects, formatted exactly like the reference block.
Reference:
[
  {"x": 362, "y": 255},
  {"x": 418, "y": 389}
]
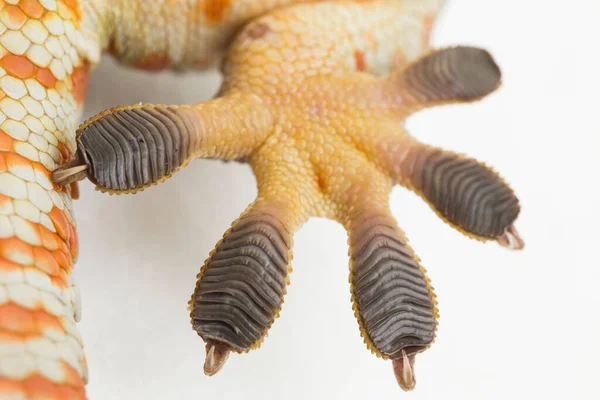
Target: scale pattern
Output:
[{"x": 43, "y": 73}]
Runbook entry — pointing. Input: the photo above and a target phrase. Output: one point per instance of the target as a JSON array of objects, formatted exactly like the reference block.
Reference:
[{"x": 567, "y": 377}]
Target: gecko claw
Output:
[
  {"x": 511, "y": 239},
  {"x": 71, "y": 172},
  {"x": 404, "y": 371},
  {"x": 216, "y": 355}
]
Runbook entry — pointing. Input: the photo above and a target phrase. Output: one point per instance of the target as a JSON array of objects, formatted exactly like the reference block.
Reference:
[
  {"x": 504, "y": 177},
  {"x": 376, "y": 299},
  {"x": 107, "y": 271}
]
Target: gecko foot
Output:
[
  {"x": 216, "y": 355},
  {"x": 334, "y": 148}
]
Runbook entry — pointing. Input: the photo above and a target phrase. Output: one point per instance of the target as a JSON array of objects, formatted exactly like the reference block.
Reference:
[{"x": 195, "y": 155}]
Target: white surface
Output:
[{"x": 513, "y": 325}]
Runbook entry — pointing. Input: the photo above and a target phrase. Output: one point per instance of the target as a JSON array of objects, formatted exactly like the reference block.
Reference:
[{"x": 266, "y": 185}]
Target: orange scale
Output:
[
  {"x": 63, "y": 261},
  {"x": 64, "y": 274},
  {"x": 74, "y": 244},
  {"x": 37, "y": 228},
  {"x": 3, "y": 166},
  {"x": 37, "y": 386},
  {"x": 16, "y": 160},
  {"x": 3, "y": 198},
  {"x": 71, "y": 230},
  {"x": 11, "y": 246},
  {"x": 6, "y": 143},
  {"x": 16, "y": 319},
  {"x": 44, "y": 321},
  {"x": 8, "y": 266},
  {"x": 72, "y": 14},
  {"x": 10, "y": 389},
  {"x": 32, "y": 8},
  {"x": 46, "y": 78},
  {"x": 39, "y": 168},
  {"x": 215, "y": 10},
  {"x": 50, "y": 240},
  {"x": 45, "y": 261},
  {"x": 60, "y": 222},
  {"x": 14, "y": 337},
  {"x": 2, "y": 94},
  {"x": 70, "y": 393},
  {"x": 15, "y": 15},
  {"x": 79, "y": 80},
  {"x": 58, "y": 282},
  {"x": 64, "y": 11},
  {"x": 76, "y": 9},
  {"x": 63, "y": 247},
  {"x": 73, "y": 4},
  {"x": 17, "y": 66},
  {"x": 72, "y": 233},
  {"x": 72, "y": 377}
]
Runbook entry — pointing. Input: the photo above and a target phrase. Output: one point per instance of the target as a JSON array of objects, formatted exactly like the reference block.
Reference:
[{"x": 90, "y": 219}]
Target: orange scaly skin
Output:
[
  {"x": 44, "y": 64},
  {"x": 321, "y": 137}
]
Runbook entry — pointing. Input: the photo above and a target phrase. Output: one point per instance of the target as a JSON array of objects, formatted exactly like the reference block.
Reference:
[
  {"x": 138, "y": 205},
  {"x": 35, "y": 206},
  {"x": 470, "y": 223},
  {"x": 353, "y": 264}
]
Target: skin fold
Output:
[{"x": 314, "y": 99}]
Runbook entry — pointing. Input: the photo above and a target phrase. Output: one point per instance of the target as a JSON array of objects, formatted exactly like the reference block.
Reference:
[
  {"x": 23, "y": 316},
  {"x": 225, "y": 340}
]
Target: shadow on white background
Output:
[{"x": 513, "y": 325}]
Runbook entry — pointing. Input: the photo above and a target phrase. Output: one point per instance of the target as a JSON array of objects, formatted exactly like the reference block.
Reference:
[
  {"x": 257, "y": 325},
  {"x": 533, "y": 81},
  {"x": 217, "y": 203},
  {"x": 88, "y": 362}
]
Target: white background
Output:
[{"x": 513, "y": 325}]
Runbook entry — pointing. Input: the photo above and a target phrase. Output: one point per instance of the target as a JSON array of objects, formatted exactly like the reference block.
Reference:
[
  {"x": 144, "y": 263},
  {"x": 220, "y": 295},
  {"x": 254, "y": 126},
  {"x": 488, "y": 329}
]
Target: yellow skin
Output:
[{"x": 314, "y": 98}]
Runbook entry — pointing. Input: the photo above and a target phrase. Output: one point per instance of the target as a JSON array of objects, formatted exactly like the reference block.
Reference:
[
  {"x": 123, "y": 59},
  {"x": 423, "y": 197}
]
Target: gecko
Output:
[{"x": 314, "y": 99}]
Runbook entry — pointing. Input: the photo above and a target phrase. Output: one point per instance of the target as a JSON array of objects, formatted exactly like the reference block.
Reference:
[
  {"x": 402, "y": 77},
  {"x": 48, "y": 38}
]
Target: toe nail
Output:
[
  {"x": 404, "y": 371},
  {"x": 511, "y": 239},
  {"x": 216, "y": 355}
]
